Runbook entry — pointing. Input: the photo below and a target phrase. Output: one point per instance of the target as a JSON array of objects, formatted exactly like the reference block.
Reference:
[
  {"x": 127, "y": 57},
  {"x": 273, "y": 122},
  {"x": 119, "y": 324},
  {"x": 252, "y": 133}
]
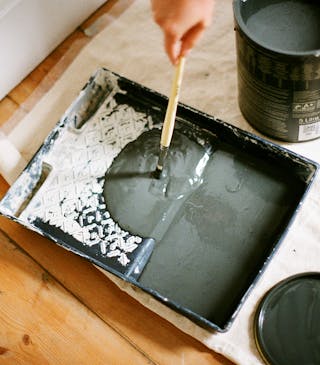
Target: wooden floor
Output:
[{"x": 55, "y": 307}]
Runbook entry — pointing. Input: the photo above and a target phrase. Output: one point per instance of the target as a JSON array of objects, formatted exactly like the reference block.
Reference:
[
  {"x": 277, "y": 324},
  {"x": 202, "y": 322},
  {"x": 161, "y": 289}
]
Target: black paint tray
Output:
[{"x": 250, "y": 193}]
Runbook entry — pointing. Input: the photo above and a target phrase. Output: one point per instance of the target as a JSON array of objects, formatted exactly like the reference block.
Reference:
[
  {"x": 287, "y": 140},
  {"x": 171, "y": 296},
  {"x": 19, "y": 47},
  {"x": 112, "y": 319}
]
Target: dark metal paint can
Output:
[{"x": 279, "y": 73}]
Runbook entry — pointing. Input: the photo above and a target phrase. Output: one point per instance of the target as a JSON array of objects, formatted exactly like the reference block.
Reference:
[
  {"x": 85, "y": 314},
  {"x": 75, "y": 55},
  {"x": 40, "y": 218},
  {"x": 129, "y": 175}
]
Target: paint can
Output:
[{"x": 278, "y": 62}]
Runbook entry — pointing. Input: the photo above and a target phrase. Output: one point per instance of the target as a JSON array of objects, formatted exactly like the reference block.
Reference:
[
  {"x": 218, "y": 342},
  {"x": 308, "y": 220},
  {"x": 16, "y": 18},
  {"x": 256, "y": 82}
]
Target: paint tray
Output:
[{"x": 220, "y": 240}]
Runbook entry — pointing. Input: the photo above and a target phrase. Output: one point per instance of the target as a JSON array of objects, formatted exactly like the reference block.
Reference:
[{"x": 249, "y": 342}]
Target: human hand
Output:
[{"x": 182, "y": 22}]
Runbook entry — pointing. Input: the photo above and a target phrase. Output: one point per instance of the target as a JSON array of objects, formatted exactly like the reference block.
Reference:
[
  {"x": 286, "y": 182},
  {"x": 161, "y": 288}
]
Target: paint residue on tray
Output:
[{"x": 71, "y": 198}]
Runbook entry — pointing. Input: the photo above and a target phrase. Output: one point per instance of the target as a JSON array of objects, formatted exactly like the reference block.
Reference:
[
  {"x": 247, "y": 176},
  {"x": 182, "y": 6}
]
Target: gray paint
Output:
[
  {"x": 210, "y": 236},
  {"x": 145, "y": 205},
  {"x": 287, "y": 25}
]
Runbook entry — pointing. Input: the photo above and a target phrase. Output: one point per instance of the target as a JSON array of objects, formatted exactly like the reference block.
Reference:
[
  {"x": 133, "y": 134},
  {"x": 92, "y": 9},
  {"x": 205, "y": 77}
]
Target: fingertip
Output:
[
  {"x": 173, "y": 49},
  {"x": 185, "y": 52},
  {"x": 173, "y": 57},
  {"x": 174, "y": 61}
]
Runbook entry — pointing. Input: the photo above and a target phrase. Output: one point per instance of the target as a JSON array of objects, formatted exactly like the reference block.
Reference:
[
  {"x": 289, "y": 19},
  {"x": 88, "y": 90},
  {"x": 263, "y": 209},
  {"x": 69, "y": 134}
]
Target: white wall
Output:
[{"x": 31, "y": 29}]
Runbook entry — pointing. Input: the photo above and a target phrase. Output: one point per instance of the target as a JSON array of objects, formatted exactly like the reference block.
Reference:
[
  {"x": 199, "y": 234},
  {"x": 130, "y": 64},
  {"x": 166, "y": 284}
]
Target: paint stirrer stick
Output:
[{"x": 169, "y": 120}]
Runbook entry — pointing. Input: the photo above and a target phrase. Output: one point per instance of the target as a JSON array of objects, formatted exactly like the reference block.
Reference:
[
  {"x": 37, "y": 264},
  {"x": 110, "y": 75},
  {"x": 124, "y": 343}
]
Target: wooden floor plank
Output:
[
  {"x": 163, "y": 342},
  {"x": 42, "y": 323},
  {"x": 4, "y": 186},
  {"x": 7, "y": 108}
]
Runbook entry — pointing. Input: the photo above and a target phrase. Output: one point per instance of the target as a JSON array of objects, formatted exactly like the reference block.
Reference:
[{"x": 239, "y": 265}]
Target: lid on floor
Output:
[{"x": 287, "y": 322}]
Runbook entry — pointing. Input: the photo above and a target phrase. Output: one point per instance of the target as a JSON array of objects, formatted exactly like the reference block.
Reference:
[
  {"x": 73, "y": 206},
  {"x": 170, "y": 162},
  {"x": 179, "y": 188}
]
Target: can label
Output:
[
  {"x": 309, "y": 131},
  {"x": 279, "y": 94},
  {"x": 306, "y": 115}
]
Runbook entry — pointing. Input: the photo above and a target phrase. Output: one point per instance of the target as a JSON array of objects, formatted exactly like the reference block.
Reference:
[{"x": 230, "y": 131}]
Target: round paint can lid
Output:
[{"x": 287, "y": 322}]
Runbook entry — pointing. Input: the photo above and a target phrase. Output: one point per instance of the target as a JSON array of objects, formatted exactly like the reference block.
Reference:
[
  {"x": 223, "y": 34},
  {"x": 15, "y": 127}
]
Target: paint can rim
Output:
[
  {"x": 259, "y": 319},
  {"x": 237, "y": 4}
]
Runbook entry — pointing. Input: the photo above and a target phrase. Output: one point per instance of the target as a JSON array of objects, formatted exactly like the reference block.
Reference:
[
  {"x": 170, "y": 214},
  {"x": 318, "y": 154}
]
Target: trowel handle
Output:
[{"x": 169, "y": 120}]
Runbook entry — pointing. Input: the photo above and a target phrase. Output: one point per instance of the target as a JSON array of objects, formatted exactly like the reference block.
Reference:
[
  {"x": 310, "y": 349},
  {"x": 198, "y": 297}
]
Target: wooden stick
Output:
[
  {"x": 170, "y": 117},
  {"x": 169, "y": 120}
]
